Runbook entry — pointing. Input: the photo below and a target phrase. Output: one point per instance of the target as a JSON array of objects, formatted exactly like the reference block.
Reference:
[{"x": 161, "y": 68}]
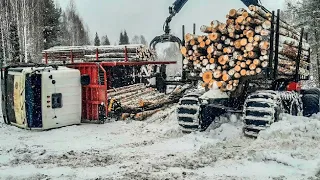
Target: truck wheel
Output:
[
  {"x": 310, "y": 104},
  {"x": 311, "y": 91},
  {"x": 260, "y": 110},
  {"x": 188, "y": 113}
]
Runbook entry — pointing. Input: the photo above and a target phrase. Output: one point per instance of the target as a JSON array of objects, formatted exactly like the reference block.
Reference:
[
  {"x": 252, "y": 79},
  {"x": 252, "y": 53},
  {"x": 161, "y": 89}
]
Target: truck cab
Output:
[{"x": 41, "y": 97}]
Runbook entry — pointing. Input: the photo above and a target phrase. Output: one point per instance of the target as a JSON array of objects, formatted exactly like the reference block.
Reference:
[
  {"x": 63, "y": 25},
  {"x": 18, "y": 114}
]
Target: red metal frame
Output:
[
  {"x": 125, "y": 54},
  {"x": 97, "y": 54},
  {"x": 94, "y": 94},
  {"x": 71, "y": 56}
]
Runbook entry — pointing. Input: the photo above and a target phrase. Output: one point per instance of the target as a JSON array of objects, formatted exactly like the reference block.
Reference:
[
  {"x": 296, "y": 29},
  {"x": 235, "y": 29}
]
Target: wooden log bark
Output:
[
  {"x": 293, "y": 42},
  {"x": 260, "y": 11}
]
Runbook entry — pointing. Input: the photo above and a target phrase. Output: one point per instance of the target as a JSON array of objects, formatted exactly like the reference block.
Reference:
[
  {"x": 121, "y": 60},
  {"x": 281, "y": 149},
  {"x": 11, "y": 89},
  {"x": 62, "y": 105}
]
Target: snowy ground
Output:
[{"x": 155, "y": 149}]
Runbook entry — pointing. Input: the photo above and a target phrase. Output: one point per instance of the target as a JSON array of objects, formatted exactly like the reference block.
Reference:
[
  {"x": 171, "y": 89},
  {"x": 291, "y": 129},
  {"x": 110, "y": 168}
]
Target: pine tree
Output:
[
  {"x": 14, "y": 40},
  {"x": 105, "y": 41},
  {"x": 143, "y": 40},
  {"x": 121, "y": 40},
  {"x": 125, "y": 38},
  {"x": 64, "y": 35},
  {"x": 77, "y": 30},
  {"x": 97, "y": 40},
  {"x": 51, "y": 16},
  {"x": 139, "y": 40}
]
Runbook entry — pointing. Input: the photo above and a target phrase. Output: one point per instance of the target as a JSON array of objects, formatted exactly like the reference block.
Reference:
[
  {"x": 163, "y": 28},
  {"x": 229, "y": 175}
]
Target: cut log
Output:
[
  {"x": 183, "y": 50},
  {"x": 207, "y": 76},
  {"x": 244, "y": 42},
  {"x": 258, "y": 29},
  {"x": 252, "y": 73},
  {"x": 260, "y": 11},
  {"x": 253, "y": 55},
  {"x": 143, "y": 115},
  {"x": 217, "y": 74},
  {"x": 210, "y": 49},
  {"x": 264, "y": 45},
  {"x": 249, "y": 47},
  {"x": 240, "y": 11},
  {"x": 252, "y": 67},
  {"x": 243, "y": 72},
  {"x": 232, "y": 63},
  {"x": 290, "y": 34},
  {"x": 205, "y": 62},
  {"x": 237, "y": 75},
  {"x": 293, "y": 42},
  {"x": 206, "y": 29},
  {"x": 237, "y": 44},
  {"x": 226, "y": 77},
  {"x": 240, "y": 20},
  {"x": 257, "y": 38},
  {"x": 248, "y": 62},
  {"x": 223, "y": 28},
  {"x": 258, "y": 70},
  {"x": 264, "y": 64},
  {"x": 214, "y": 37},
  {"x": 208, "y": 42},
  {"x": 185, "y": 61},
  {"x": 256, "y": 62},
  {"x": 250, "y": 34},
  {"x": 243, "y": 65},
  {"x": 266, "y": 25},
  {"x": 215, "y": 24},
  {"x": 250, "y": 39},
  {"x": 212, "y": 60}
]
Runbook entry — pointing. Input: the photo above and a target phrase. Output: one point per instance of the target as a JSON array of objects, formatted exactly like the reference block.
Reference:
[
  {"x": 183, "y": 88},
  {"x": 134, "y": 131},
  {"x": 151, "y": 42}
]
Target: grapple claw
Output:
[{"x": 164, "y": 38}]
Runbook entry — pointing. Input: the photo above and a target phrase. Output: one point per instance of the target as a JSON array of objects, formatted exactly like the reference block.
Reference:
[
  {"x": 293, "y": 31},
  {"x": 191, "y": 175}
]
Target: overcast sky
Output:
[{"x": 146, "y": 17}]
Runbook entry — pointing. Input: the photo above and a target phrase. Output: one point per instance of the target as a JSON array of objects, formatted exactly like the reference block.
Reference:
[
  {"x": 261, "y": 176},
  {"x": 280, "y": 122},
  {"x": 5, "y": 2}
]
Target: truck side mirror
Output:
[{"x": 85, "y": 80}]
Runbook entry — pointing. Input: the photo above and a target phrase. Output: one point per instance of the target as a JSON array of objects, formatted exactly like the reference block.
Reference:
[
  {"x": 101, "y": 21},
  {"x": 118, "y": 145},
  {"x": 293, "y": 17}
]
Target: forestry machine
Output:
[{"x": 260, "y": 99}]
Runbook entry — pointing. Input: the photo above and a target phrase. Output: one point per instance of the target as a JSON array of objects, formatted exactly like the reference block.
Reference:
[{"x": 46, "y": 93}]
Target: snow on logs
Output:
[
  {"x": 134, "y": 52},
  {"x": 241, "y": 47}
]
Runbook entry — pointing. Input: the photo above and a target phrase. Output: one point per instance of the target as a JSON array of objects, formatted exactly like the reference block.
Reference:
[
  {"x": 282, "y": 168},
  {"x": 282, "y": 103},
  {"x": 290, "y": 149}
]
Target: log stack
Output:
[
  {"x": 139, "y": 102},
  {"x": 241, "y": 47},
  {"x": 133, "y": 52}
]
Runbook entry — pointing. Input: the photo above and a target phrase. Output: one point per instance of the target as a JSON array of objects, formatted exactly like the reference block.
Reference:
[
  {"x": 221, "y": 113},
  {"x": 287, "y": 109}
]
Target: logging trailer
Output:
[
  {"x": 234, "y": 80},
  {"x": 84, "y": 84}
]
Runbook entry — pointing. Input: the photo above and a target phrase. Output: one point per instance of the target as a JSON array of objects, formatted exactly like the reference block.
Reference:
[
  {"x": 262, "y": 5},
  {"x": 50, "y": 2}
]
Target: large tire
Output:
[
  {"x": 311, "y": 91},
  {"x": 310, "y": 104},
  {"x": 188, "y": 112},
  {"x": 260, "y": 110}
]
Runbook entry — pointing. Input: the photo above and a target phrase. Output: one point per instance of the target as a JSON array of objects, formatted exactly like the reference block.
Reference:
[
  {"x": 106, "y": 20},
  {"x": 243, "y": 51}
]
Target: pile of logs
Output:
[
  {"x": 241, "y": 47},
  {"x": 133, "y": 52},
  {"x": 139, "y": 101}
]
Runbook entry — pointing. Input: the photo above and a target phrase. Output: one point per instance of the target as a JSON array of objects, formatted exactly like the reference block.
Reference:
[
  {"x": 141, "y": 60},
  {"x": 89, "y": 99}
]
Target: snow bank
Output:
[
  {"x": 156, "y": 149},
  {"x": 294, "y": 127}
]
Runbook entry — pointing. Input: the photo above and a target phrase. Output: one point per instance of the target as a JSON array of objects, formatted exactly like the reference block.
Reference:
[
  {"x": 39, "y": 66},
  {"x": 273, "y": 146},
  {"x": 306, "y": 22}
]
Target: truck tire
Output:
[
  {"x": 311, "y": 91},
  {"x": 188, "y": 112},
  {"x": 260, "y": 110},
  {"x": 310, "y": 104}
]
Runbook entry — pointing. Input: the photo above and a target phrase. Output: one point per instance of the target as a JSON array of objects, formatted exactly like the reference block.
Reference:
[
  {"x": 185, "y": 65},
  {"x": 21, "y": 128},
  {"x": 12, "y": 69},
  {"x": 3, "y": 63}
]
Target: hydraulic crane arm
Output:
[
  {"x": 167, "y": 37},
  {"x": 173, "y": 10}
]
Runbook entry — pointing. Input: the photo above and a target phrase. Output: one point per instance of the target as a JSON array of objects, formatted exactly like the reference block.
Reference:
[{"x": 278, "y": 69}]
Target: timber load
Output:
[
  {"x": 139, "y": 101},
  {"x": 130, "y": 52},
  {"x": 244, "y": 46}
]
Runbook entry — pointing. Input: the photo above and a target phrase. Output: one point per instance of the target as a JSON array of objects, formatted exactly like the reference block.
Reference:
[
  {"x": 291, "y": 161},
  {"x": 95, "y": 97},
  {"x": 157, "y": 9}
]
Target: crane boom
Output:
[
  {"x": 173, "y": 10},
  {"x": 178, "y": 5}
]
